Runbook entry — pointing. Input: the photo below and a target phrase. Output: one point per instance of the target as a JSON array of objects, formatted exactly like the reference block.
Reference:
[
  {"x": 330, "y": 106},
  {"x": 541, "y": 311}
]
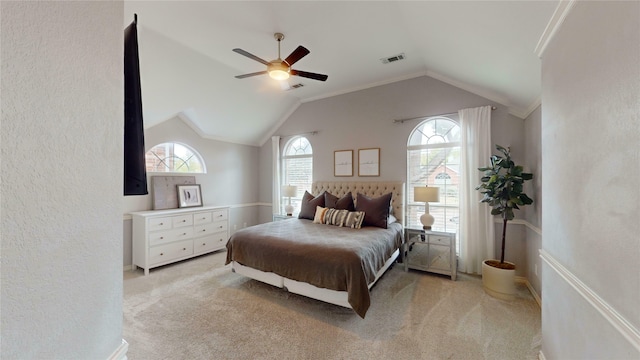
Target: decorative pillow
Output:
[
  {"x": 343, "y": 203},
  {"x": 354, "y": 219},
  {"x": 376, "y": 210},
  {"x": 319, "y": 217},
  {"x": 335, "y": 217},
  {"x": 308, "y": 205}
]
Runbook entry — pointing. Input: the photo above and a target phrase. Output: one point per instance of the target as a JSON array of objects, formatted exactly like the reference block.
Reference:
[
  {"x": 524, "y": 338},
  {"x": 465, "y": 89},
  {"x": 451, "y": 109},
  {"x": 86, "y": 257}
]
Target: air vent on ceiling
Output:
[
  {"x": 295, "y": 86},
  {"x": 394, "y": 58}
]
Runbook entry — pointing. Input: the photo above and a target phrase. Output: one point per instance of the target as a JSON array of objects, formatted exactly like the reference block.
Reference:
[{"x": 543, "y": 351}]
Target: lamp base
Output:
[
  {"x": 427, "y": 220},
  {"x": 288, "y": 209}
]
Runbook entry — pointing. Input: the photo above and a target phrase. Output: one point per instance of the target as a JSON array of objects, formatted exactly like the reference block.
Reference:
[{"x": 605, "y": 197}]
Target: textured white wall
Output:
[
  {"x": 62, "y": 120},
  {"x": 591, "y": 191}
]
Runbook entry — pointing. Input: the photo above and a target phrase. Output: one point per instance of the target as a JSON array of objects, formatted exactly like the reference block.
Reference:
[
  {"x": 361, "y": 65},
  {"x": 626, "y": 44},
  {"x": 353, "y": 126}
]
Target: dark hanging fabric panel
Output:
[{"x": 135, "y": 174}]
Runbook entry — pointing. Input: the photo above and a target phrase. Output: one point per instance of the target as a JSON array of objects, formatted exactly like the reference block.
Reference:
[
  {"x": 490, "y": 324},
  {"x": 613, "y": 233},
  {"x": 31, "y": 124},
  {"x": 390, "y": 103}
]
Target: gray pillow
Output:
[
  {"x": 376, "y": 210},
  {"x": 343, "y": 203},
  {"x": 308, "y": 205}
]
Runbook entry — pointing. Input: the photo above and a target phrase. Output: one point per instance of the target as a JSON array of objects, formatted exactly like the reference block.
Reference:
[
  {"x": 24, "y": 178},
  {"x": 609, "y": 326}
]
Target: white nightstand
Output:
[
  {"x": 432, "y": 251},
  {"x": 278, "y": 217}
]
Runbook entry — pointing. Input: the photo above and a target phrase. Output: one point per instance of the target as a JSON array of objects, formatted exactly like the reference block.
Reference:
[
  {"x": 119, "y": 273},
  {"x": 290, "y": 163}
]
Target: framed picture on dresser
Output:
[{"x": 189, "y": 195}]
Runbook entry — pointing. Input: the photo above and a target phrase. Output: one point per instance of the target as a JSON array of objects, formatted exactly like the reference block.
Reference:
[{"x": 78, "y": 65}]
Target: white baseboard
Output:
[
  {"x": 624, "y": 327},
  {"x": 127, "y": 267},
  {"x": 525, "y": 281},
  {"x": 121, "y": 352}
]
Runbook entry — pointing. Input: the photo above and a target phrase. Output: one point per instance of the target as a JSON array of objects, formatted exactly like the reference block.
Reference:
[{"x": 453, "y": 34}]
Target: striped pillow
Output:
[
  {"x": 354, "y": 219},
  {"x": 335, "y": 217},
  {"x": 319, "y": 216}
]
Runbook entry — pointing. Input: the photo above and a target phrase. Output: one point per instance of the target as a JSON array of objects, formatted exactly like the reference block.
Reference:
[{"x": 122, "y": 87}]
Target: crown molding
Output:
[{"x": 563, "y": 9}]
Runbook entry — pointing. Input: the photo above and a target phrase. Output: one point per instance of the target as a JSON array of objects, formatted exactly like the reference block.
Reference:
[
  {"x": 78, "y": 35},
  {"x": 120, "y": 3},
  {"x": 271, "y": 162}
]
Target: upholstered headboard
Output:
[{"x": 371, "y": 189}]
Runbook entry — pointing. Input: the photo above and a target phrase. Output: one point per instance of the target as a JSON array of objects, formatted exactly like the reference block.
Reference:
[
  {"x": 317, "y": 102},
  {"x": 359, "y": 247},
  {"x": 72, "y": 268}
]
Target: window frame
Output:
[
  {"x": 188, "y": 147},
  {"x": 295, "y": 201},
  {"x": 453, "y": 118}
]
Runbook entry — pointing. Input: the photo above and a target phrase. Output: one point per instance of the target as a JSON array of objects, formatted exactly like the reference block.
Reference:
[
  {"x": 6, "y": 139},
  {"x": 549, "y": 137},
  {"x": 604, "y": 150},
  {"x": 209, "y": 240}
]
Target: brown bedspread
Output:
[{"x": 325, "y": 256}]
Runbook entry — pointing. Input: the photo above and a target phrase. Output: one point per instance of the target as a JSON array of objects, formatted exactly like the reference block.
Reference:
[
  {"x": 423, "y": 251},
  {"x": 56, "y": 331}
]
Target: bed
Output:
[{"x": 334, "y": 264}]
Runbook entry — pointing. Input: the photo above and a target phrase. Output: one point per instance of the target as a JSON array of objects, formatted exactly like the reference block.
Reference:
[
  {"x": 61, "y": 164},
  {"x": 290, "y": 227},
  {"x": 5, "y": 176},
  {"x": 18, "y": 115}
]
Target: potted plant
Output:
[{"x": 502, "y": 188}]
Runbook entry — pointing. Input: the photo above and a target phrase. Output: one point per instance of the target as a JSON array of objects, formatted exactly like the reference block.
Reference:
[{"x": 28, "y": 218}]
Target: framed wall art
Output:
[
  {"x": 189, "y": 195},
  {"x": 163, "y": 190},
  {"x": 343, "y": 163},
  {"x": 369, "y": 162}
]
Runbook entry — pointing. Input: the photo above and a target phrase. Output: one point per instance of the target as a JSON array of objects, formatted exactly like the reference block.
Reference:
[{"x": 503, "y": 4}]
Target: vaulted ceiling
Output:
[{"x": 188, "y": 67}]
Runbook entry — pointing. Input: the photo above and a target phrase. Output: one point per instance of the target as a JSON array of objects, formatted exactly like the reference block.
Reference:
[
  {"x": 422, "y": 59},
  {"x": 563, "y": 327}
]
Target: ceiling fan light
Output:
[
  {"x": 278, "y": 71},
  {"x": 278, "y": 74}
]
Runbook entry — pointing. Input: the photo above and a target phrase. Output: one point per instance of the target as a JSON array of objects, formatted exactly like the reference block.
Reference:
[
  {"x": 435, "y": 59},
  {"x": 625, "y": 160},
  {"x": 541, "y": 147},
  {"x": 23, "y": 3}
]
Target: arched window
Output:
[
  {"x": 297, "y": 169},
  {"x": 433, "y": 159},
  {"x": 174, "y": 158}
]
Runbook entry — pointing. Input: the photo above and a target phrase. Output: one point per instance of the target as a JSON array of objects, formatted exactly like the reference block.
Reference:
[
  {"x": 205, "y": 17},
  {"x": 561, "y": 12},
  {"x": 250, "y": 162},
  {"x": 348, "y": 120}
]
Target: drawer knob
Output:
[
  {"x": 203, "y": 244},
  {"x": 161, "y": 237},
  {"x": 220, "y": 226},
  {"x": 161, "y": 254},
  {"x": 185, "y": 249},
  {"x": 184, "y": 233},
  {"x": 184, "y": 220},
  {"x": 161, "y": 223}
]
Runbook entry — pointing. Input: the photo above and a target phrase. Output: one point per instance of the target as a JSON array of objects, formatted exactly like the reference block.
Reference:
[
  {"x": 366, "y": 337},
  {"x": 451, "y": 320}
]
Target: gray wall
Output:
[
  {"x": 364, "y": 119},
  {"x": 231, "y": 178},
  {"x": 591, "y": 193},
  {"x": 62, "y": 170}
]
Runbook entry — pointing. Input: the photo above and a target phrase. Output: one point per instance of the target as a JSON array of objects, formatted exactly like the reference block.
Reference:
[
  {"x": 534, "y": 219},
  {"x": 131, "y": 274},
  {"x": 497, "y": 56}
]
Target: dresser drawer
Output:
[
  {"x": 163, "y": 237},
  {"x": 163, "y": 223},
  {"x": 220, "y": 226},
  {"x": 202, "y": 218},
  {"x": 209, "y": 243},
  {"x": 182, "y": 220},
  {"x": 219, "y": 215},
  {"x": 168, "y": 252},
  {"x": 440, "y": 240},
  {"x": 206, "y": 229}
]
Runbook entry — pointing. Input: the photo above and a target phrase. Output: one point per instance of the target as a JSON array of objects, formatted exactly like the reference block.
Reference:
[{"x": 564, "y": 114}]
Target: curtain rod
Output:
[{"x": 400, "y": 121}]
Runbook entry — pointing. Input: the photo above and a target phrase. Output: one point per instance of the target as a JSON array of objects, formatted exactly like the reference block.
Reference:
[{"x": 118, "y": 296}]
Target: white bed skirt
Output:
[{"x": 302, "y": 288}]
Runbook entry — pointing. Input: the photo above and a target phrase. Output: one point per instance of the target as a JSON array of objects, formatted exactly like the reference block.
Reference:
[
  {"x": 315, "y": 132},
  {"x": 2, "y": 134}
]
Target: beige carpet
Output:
[{"x": 199, "y": 309}]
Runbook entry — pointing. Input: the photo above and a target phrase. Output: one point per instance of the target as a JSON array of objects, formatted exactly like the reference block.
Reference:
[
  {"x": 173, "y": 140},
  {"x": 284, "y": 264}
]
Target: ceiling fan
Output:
[{"x": 280, "y": 69}]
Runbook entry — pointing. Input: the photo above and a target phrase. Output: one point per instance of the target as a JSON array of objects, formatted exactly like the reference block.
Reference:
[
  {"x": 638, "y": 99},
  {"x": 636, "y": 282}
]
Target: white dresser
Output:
[{"x": 161, "y": 237}]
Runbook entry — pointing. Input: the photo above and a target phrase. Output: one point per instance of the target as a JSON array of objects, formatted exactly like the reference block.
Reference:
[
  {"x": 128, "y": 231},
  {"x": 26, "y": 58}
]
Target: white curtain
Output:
[
  {"x": 275, "y": 155},
  {"x": 476, "y": 222}
]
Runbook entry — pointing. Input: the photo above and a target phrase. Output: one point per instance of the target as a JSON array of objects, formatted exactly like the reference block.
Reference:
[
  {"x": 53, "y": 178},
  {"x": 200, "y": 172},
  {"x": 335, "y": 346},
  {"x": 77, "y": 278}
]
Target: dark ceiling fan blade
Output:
[
  {"x": 252, "y": 74},
  {"x": 309, "y": 75},
  {"x": 296, "y": 55},
  {"x": 250, "y": 55}
]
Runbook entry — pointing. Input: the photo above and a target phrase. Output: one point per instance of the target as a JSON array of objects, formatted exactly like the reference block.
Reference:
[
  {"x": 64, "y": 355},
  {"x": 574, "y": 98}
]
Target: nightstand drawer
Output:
[{"x": 440, "y": 240}]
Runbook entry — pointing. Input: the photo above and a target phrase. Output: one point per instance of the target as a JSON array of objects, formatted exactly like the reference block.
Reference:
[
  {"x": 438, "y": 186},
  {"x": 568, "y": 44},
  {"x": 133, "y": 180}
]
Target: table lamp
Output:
[
  {"x": 289, "y": 191},
  {"x": 426, "y": 194}
]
